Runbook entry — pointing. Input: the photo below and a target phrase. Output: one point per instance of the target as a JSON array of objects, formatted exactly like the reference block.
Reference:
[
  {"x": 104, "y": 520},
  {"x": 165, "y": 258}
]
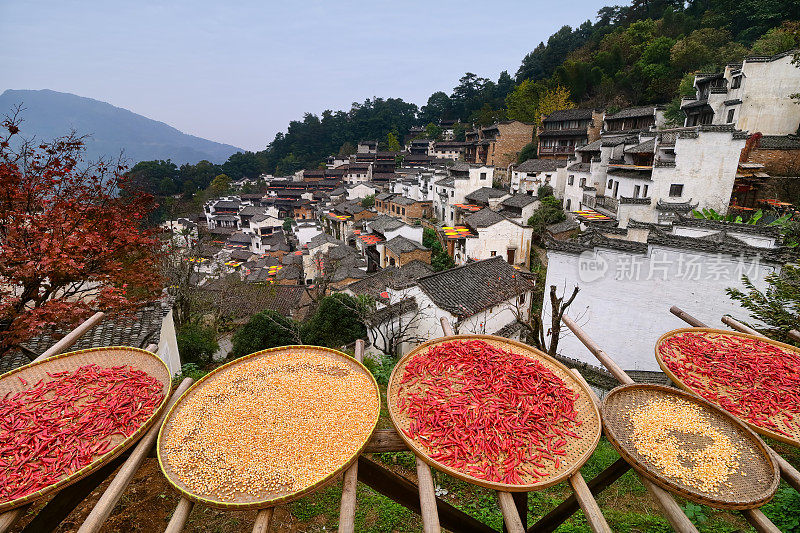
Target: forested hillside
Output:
[{"x": 641, "y": 53}]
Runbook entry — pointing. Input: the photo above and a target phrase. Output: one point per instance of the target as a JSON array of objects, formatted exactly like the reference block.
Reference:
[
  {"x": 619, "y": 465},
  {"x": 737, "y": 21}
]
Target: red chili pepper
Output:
[
  {"x": 58, "y": 427},
  {"x": 487, "y": 411}
]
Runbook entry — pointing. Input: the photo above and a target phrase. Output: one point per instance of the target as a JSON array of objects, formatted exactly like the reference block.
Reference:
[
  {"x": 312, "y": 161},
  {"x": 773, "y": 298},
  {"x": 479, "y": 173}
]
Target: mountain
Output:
[{"x": 48, "y": 114}]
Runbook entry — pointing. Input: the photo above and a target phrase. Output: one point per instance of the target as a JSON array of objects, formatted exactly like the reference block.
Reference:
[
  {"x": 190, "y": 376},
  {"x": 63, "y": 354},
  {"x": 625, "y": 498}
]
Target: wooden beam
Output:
[
  {"x": 686, "y": 317},
  {"x": 427, "y": 498},
  {"x": 406, "y": 493},
  {"x": 601, "y": 356},
  {"x": 9, "y": 518},
  {"x": 102, "y": 510},
  {"x": 347, "y": 508},
  {"x": 759, "y": 521},
  {"x": 179, "y": 516},
  {"x": 738, "y": 326},
  {"x": 511, "y": 519},
  {"x": 567, "y": 508},
  {"x": 386, "y": 440},
  {"x": 793, "y": 333},
  {"x": 263, "y": 519},
  {"x": 72, "y": 337}
]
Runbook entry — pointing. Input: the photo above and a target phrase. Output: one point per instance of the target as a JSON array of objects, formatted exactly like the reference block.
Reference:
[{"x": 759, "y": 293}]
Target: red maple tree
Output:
[{"x": 71, "y": 239}]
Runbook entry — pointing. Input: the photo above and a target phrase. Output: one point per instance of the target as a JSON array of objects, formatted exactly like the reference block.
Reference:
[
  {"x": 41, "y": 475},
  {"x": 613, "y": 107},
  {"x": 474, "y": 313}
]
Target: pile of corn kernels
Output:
[
  {"x": 655, "y": 426},
  {"x": 270, "y": 425}
]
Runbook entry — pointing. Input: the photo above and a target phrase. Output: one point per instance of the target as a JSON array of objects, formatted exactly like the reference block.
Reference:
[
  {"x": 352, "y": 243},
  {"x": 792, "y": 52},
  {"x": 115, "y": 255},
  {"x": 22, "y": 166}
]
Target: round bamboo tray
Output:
[
  {"x": 751, "y": 485},
  {"x": 794, "y": 432},
  {"x": 104, "y": 357},
  {"x": 265, "y": 498},
  {"x": 578, "y": 451}
]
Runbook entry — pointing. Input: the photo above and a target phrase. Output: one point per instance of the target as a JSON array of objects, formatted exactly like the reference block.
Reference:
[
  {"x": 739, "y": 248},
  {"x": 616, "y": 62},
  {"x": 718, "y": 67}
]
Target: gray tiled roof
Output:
[
  {"x": 322, "y": 238},
  {"x": 642, "y": 111},
  {"x": 561, "y": 227},
  {"x": 483, "y": 194},
  {"x": 593, "y": 146},
  {"x": 540, "y": 165},
  {"x": 402, "y": 245},
  {"x": 779, "y": 142},
  {"x": 519, "y": 200},
  {"x": 647, "y": 147},
  {"x": 569, "y": 114},
  {"x": 471, "y": 288},
  {"x": 579, "y": 167},
  {"x": 483, "y": 218},
  {"x": 396, "y": 278},
  {"x": 446, "y": 182},
  {"x": 384, "y": 223}
]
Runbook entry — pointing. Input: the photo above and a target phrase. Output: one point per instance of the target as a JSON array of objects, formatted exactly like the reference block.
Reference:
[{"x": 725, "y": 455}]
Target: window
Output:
[
  {"x": 569, "y": 204},
  {"x": 610, "y": 183},
  {"x": 391, "y": 261},
  {"x": 675, "y": 190},
  {"x": 636, "y": 189},
  {"x": 451, "y": 216},
  {"x": 571, "y": 179},
  {"x": 483, "y": 175},
  {"x": 644, "y": 192},
  {"x": 583, "y": 182},
  {"x": 493, "y": 253},
  {"x": 521, "y": 298},
  {"x": 511, "y": 254},
  {"x": 452, "y": 193},
  {"x": 736, "y": 82},
  {"x": 404, "y": 210},
  {"x": 730, "y": 116}
]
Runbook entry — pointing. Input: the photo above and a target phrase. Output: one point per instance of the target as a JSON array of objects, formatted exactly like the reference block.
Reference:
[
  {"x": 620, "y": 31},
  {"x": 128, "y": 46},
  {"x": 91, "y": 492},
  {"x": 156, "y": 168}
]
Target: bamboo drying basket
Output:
[
  {"x": 264, "y": 499},
  {"x": 578, "y": 450},
  {"x": 104, "y": 357},
  {"x": 751, "y": 485},
  {"x": 794, "y": 439}
]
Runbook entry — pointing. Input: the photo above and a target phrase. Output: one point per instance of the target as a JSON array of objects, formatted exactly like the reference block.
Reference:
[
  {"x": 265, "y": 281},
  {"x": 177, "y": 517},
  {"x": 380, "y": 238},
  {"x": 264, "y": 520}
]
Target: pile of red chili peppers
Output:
[
  {"x": 752, "y": 379},
  {"x": 56, "y": 427},
  {"x": 490, "y": 413}
]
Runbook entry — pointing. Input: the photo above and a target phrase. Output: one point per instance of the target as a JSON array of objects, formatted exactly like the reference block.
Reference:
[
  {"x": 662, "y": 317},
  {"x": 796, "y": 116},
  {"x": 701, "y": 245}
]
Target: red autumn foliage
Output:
[{"x": 71, "y": 239}]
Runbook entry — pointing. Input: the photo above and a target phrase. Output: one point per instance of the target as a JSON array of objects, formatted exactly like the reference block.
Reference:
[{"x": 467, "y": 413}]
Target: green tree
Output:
[
  {"x": 287, "y": 224},
  {"x": 347, "y": 149},
  {"x": 433, "y": 132},
  {"x": 196, "y": 343},
  {"x": 777, "y": 309},
  {"x": 368, "y": 201},
  {"x": 267, "y": 329},
  {"x": 392, "y": 144},
  {"x": 777, "y": 40},
  {"x": 528, "y": 151},
  {"x": 440, "y": 259},
  {"x": 523, "y": 102},
  {"x": 548, "y": 212},
  {"x": 336, "y": 322},
  {"x": 706, "y": 48},
  {"x": 220, "y": 185}
]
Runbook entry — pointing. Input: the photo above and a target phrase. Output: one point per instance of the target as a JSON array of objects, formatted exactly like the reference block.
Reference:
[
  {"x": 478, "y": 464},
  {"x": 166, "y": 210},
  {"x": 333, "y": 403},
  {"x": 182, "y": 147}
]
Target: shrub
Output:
[
  {"x": 196, "y": 343},
  {"x": 337, "y": 322},
  {"x": 267, "y": 329}
]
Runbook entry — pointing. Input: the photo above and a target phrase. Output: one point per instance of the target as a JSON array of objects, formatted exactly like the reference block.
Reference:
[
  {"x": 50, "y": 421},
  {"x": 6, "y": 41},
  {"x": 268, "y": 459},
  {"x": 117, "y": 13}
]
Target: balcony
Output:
[
  {"x": 556, "y": 150},
  {"x": 608, "y": 203}
]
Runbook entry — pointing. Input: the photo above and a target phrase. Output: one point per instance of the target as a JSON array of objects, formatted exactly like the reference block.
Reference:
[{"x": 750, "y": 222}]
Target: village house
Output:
[
  {"x": 419, "y": 146},
  {"x": 332, "y": 260},
  {"x": 257, "y": 215},
  {"x": 628, "y": 280},
  {"x": 519, "y": 207},
  {"x": 406, "y": 209},
  {"x": 462, "y": 179},
  {"x": 498, "y": 296},
  {"x": 417, "y": 183},
  {"x": 528, "y": 176},
  {"x": 752, "y": 96},
  {"x": 490, "y": 235},
  {"x": 498, "y": 144},
  {"x": 341, "y": 220},
  {"x": 653, "y": 176},
  {"x": 222, "y": 212},
  {"x": 360, "y": 191},
  {"x": 564, "y": 130},
  {"x": 400, "y": 251},
  {"x": 377, "y": 231},
  {"x": 356, "y": 172},
  {"x": 453, "y": 150},
  {"x": 367, "y": 147},
  {"x": 305, "y": 230},
  {"x": 633, "y": 120}
]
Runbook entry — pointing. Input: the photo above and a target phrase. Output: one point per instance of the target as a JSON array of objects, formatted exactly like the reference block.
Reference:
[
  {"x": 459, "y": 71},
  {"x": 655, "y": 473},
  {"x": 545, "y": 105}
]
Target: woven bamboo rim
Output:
[
  {"x": 105, "y": 357},
  {"x": 794, "y": 440},
  {"x": 285, "y": 497},
  {"x": 578, "y": 450},
  {"x": 753, "y": 484}
]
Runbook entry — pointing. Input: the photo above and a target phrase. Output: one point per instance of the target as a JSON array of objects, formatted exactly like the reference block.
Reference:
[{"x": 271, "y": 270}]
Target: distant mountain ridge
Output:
[{"x": 49, "y": 114}]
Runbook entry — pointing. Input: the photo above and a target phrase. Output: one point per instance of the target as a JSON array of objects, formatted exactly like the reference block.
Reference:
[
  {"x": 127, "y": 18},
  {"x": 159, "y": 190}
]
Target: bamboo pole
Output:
[
  {"x": 668, "y": 505},
  {"x": 511, "y": 517},
  {"x": 788, "y": 472},
  {"x": 72, "y": 337},
  {"x": 347, "y": 508},
  {"x": 582, "y": 492},
  {"x": 9, "y": 518},
  {"x": 102, "y": 510},
  {"x": 793, "y": 333},
  {"x": 180, "y": 516},
  {"x": 263, "y": 519},
  {"x": 738, "y": 326}
]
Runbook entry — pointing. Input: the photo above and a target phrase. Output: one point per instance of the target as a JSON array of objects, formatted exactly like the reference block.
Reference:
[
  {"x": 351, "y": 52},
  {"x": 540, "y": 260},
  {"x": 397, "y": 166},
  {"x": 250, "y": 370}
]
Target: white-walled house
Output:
[
  {"x": 528, "y": 176},
  {"x": 753, "y": 96},
  {"x": 463, "y": 179},
  {"x": 360, "y": 190},
  {"x": 480, "y": 297},
  {"x": 305, "y": 230},
  {"x": 653, "y": 176},
  {"x": 493, "y": 235},
  {"x": 628, "y": 280}
]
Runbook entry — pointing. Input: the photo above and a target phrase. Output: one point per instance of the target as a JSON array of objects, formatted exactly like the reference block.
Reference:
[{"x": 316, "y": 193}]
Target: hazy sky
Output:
[{"x": 239, "y": 71}]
